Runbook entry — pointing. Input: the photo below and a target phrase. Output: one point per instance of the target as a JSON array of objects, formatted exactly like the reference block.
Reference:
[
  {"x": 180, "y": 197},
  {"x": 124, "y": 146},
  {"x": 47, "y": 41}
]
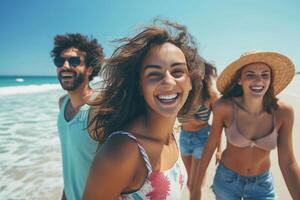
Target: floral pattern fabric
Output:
[{"x": 163, "y": 185}]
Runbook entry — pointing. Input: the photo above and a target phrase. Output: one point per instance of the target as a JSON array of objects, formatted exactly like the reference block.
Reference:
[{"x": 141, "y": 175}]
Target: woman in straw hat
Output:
[
  {"x": 255, "y": 122},
  {"x": 151, "y": 79},
  {"x": 195, "y": 128}
]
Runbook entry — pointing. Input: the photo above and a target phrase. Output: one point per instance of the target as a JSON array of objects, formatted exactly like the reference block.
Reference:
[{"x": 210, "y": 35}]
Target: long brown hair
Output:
[
  {"x": 210, "y": 72},
  {"x": 235, "y": 90},
  {"x": 120, "y": 101}
]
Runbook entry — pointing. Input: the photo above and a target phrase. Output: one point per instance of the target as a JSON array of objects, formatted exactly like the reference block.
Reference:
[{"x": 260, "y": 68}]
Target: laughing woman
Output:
[
  {"x": 151, "y": 78},
  {"x": 255, "y": 122}
]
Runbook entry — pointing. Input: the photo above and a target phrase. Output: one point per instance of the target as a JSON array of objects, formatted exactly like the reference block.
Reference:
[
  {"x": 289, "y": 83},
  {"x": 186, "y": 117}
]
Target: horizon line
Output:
[{"x": 26, "y": 75}]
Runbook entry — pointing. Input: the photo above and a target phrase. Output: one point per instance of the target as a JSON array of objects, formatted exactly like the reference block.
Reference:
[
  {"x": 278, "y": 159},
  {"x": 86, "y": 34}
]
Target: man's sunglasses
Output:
[{"x": 73, "y": 61}]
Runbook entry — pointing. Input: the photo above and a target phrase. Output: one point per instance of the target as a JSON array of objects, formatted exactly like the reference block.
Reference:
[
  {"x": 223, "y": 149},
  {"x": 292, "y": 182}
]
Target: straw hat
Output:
[{"x": 283, "y": 69}]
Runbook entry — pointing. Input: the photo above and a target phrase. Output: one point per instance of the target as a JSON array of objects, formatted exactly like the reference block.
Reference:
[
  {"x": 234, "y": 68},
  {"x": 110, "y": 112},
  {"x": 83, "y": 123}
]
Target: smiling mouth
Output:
[
  {"x": 257, "y": 89},
  {"x": 167, "y": 98},
  {"x": 67, "y": 75}
]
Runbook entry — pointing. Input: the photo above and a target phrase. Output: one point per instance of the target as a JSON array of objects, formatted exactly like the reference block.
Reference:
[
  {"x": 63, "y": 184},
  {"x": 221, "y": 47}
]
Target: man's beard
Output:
[{"x": 78, "y": 79}]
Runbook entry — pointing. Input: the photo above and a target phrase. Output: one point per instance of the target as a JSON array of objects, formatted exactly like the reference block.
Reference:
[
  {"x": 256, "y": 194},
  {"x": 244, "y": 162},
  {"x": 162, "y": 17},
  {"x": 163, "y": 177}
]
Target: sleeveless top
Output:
[
  {"x": 234, "y": 137},
  {"x": 78, "y": 150},
  {"x": 167, "y": 184}
]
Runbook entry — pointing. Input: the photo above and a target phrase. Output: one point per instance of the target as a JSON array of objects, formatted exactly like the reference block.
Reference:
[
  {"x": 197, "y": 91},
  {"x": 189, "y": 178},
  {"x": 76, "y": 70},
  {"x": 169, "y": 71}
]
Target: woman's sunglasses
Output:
[{"x": 73, "y": 61}]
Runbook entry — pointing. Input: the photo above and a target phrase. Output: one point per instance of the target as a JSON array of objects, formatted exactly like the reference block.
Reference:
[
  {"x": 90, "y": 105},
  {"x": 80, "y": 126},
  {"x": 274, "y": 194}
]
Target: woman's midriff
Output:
[
  {"x": 247, "y": 161},
  {"x": 193, "y": 125}
]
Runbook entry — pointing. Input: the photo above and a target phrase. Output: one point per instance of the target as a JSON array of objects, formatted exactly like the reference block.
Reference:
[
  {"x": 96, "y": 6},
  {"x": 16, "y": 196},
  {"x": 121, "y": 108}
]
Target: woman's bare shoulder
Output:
[
  {"x": 223, "y": 109},
  {"x": 284, "y": 111},
  {"x": 223, "y": 104},
  {"x": 284, "y": 106},
  {"x": 121, "y": 144},
  {"x": 119, "y": 150}
]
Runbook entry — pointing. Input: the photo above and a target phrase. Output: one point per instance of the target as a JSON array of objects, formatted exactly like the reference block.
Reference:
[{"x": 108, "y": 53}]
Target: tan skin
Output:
[
  {"x": 251, "y": 161},
  {"x": 119, "y": 167},
  {"x": 193, "y": 125},
  {"x": 81, "y": 94}
]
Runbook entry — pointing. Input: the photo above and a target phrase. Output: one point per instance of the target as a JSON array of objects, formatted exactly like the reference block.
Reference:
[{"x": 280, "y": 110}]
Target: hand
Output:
[{"x": 218, "y": 156}]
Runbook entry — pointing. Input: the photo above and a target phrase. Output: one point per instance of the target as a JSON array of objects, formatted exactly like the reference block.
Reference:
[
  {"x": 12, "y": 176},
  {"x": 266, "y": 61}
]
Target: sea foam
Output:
[{"x": 28, "y": 89}]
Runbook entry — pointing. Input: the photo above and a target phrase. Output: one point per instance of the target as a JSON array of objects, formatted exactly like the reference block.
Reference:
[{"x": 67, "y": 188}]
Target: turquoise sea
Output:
[
  {"x": 30, "y": 161},
  {"x": 30, "y": 166},
  {"x": 27, "y": 80}
]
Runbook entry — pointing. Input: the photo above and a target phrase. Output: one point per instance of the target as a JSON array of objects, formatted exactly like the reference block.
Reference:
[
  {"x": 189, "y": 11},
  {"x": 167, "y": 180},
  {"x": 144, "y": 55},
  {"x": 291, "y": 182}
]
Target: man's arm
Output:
[{"x": 61, "y": 101}]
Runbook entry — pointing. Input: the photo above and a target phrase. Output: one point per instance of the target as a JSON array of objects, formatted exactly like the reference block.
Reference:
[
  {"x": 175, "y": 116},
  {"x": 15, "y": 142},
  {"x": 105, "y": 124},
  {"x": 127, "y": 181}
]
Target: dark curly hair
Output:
[
  {"x": 120, "y": 101},
  {"x": 235, "y": 90},
  {"x": 92, "y": 50}
]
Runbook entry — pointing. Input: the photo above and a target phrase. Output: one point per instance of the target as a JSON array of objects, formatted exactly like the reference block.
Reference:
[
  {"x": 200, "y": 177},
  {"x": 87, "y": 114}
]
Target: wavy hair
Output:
[
  {"x": 120, "y": 101},
  {"x": 93, "y": 51}
]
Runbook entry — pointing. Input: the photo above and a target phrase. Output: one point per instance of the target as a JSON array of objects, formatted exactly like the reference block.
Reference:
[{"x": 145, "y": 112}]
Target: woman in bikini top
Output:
[
  {"x": 195, "y": 128},
  {"x": 255, "y": 122}
]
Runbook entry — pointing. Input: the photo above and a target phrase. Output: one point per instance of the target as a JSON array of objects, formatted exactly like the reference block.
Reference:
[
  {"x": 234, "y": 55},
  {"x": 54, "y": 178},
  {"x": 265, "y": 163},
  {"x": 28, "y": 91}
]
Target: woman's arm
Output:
[
  {"x": 211, "y": 145},
  {"x": 287, "y": 162},
  {"x": 113, "y": 169},
  {"x": 214, "y": 97},
  {"x": 219, "y": 151}
]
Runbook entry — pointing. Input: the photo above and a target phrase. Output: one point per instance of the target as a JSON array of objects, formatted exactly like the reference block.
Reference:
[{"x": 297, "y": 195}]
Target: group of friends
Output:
[{"x": 119, "y": 141}]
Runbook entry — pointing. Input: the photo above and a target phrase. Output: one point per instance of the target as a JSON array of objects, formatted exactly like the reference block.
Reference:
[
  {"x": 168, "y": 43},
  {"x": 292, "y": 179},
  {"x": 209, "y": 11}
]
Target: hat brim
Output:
[{"x": 283, "y": 69}]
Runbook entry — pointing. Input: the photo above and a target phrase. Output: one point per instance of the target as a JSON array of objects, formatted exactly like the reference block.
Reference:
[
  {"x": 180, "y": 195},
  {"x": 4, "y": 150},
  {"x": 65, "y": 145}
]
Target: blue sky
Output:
[{"x": 223, "y": 29}]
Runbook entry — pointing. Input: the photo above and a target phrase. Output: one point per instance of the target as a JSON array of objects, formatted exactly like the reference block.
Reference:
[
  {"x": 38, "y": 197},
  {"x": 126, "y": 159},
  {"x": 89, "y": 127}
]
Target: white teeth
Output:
[
  {"x": 257, "y": 88},
  {"x": 67, "y": 74},
  {"x": 167, "y": 97}
]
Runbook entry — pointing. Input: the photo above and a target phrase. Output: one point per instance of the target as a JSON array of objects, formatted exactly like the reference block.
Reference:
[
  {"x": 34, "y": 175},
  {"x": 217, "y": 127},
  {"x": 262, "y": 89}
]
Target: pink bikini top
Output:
[{"x": 234, "y": 137}]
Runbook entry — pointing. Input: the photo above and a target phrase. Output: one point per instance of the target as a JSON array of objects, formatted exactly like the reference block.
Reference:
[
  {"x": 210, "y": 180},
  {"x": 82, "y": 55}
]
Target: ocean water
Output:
[
  {"x": 10, "y": 85},
  {"x": 27, "y": 80},
  {"x": 30, "y": 163},
  {"x": 30, "y": 160}
]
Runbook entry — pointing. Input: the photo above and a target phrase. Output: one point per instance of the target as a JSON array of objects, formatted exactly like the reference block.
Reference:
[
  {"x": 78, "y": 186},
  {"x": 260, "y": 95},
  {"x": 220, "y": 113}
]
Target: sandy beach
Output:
[{"x": 290, "y": 96}]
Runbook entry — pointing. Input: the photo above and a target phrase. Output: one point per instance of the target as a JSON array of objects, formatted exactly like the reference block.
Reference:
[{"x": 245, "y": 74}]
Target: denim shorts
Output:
[
  {"x": 192, "y": 143},
  {"x": 229, "y": 185}
]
